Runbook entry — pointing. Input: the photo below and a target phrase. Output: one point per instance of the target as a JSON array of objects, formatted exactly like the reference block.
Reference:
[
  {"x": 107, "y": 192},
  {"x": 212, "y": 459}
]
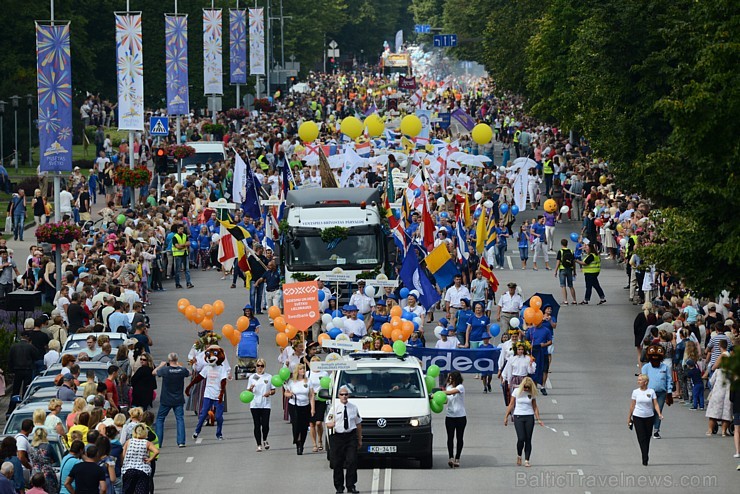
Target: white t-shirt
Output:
[
  {"x": 300, "y": 393},
  {"x": 260, "y": 385},
  {"x": 22, "y": 443},
  {"x": 51, "y": 357},
  {"x": 101, "y": 162},
  {"x": 61, "y": 302},
  {"x": 447, "y": 345},
  {"x": 456, "y": 402},
  {"x": 65, "y": 202},
  {"x": 643, "y": 402},
  {"x": 213, "y": 375},
  {"x": 523, "y": 403},
  {"x": 354, "y": 326},
  {"x": 314, "y": 380}
]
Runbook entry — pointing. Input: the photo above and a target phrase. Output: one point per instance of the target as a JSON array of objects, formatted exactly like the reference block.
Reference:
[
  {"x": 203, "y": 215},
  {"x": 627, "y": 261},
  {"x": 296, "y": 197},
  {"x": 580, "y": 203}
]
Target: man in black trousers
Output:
[
  {"x": 346, "y": 441},
  {"x": 21, "y": 360}
]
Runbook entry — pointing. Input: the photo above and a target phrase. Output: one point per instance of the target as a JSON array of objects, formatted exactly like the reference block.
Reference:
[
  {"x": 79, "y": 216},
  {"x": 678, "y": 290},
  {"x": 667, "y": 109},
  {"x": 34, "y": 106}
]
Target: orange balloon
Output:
[
  {"x": 281, "y": 339},
  {"x": 235, "y": 338},
  {"x": 407, "y": 325},
  {"x": 183, "y": 301},
  {"x": 190, "y": 312},
  {"x": 538, "y": 317},
  {"x": 242, "y": 323},
  {"x": 291, "y": 331},
  {"x": 529, "y": 315},
  {"x": 208, "y": 310},
  {"x": 397, "y": 334},
  {"x": 207, "y": 324},
  {"x": 218, "y": 307},
  {"x": 407, "y": 332},
  {"x": 273, "y": 312},
  {"x": 279, "y": 324},
  {"x": 386, "y": 348},
  {"x": 386, "y": 329},
  {"x": 535, "y": 302},
  {"x": 323, "y": 336},
  {"x": 396, "y": 311},
  {"x": 199, "y": 316},
  {"x": 228, "y": 331},
  {"x": 396, "y": 322}
]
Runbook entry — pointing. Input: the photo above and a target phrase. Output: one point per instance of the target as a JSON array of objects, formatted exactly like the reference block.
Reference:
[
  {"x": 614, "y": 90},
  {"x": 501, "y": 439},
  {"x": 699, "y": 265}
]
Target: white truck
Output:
[{"x": 357, "y": 246}]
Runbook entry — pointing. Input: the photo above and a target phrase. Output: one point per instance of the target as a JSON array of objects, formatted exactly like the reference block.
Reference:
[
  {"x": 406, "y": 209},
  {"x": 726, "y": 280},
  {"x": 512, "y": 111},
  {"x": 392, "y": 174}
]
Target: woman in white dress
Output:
[{"x": 519, "y": 366}]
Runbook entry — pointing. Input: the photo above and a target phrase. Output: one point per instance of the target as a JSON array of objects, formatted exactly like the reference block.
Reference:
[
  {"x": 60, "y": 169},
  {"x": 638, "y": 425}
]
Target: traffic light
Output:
[{"x": 160, "y": 160}]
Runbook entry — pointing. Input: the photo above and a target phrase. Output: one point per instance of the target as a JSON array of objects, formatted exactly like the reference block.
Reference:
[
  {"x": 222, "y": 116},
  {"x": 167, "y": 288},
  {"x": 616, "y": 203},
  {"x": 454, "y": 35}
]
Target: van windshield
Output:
[
  {"x": 202, "y": 159},
  {"x": 383, "y": 383},
  {"x": 360, "y": 250}
]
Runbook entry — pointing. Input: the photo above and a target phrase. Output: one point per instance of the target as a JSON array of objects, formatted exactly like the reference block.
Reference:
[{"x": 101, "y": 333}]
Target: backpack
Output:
[
  {"x": 567, "y": 259},
  {"x": 107, "y": 179}
]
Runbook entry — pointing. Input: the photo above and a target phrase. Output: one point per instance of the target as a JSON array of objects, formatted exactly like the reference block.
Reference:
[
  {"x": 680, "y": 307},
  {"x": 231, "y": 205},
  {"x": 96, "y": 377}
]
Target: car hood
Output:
[{"x": 391, "y": 407}]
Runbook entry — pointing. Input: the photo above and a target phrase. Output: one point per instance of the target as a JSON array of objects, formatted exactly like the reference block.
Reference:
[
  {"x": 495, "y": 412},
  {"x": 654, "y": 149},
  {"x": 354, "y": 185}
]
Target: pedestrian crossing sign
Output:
[{"x": 159, "y": 126}]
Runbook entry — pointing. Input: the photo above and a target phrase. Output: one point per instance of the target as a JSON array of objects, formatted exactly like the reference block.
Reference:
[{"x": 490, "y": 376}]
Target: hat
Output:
[
  {"x": 69, "y": 377},
  {"x": 313, "y": 344},
  {"x": 466, "y": 300},
  {"x": 77, "y": 167},
  {"x": 443, "y": 322},
  {"x": 345, "y": 308},
  {"x": 728, "y": 322},
  {"x": 690, "y": 363},
  {"x": 247, "y": 307},
  {"x": 711, "y": 307},
  {"x": 381, "y": 303},
  {"x": 55, "y": 313},
  {"x": 360, "y": 282},
  {"x": 393, "y": 296},
  {"x": 350, "y": 308},
  {"x": 444, "y": 332},
  {"x": 486, "y": 337},
  {"x": 84, "y": 274},
  {"x": 511, "y": 284}
]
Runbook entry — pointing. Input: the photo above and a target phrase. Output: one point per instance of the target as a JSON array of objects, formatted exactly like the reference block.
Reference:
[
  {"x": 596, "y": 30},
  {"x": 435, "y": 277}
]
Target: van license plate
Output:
[{"x": 382, "y": 449}]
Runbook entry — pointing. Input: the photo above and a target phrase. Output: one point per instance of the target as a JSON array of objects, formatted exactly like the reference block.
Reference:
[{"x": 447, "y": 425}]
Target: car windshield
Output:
[
  {"x": 383, "y": 383},
  {"x": 357, "y": 251},
  {"x": 13, "y": 425},
  {"x": 202, "y": 159}
]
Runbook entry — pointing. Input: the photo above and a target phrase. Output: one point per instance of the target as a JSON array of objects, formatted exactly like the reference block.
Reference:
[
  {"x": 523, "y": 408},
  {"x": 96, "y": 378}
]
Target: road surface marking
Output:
[
  {"x": 199, "y": 440},
  {"x": 573, "y": 452},
  {"x": 555, "y": 401},
  {"x": 508, "y": 260},
  {"x": 560, "y": 416},
  {"x": 566, "y": 433},
  {"x": 387, "y": 482},
  {"x": 376, "y": 481},
  {"x": 189, "y": 459},
  {"x": 178, "y": 480}
]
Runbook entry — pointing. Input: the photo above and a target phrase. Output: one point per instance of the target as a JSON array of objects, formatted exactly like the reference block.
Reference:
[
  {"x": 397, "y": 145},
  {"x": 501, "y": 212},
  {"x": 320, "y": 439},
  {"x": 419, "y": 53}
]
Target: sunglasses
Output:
[
  {"x": 260, "y": 365},
  {"x": 343, "y": 394}
]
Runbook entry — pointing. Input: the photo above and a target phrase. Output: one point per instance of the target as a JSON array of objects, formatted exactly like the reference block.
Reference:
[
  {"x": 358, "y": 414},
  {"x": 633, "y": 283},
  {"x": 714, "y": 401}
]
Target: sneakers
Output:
[
  {"x": 220, "y": 438},
  {"x": 265, "y": 444},
  {"x": 178, "y": 286},
  {"x": 602, "y": 301},
  {"x": 259, "y": 449},
  {"x": 544, "y": 391},
  {"x": 195, "y": 435},
  {"x": 181, "y": 445},
  {"x": 190, "y": 285},
  {"x": 656, "y": 435}
]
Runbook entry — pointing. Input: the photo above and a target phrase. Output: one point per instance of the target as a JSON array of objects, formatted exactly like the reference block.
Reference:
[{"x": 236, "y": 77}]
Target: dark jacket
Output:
[{"x": 22, "y": 355}]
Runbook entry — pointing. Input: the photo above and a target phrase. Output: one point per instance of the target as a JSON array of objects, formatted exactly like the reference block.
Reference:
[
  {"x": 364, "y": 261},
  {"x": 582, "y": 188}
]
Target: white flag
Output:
[
  {"x": 352, "y": 161},
  {"x": 239, "y": 184}
]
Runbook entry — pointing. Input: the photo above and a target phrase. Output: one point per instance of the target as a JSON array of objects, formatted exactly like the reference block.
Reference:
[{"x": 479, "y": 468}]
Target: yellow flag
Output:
[
  {"x": 480, "y": 232},
  {"x": 467, "y": 219}
]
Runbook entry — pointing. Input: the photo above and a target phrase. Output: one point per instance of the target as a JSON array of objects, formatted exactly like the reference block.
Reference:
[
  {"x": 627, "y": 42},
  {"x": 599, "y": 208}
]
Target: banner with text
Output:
[
  {"x": 176, "y": 61},
  {"x": 213, "y": 77},
  {"x": 460, "y": 359},
  {"x": 238, "y": 46},
  {"x": 54, "y": 80},
  {"x": 130, "y": 69},
  {"x": 256, "y": 42},
  {"x": 301, "y": 304},
  {"x": 408, "y": 83}
]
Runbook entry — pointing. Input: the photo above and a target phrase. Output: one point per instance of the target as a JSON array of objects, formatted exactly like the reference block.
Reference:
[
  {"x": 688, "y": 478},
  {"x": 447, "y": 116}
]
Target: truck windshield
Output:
[
  {"x": 383, "y": 383},
  {"x": 362, "y": 249}
]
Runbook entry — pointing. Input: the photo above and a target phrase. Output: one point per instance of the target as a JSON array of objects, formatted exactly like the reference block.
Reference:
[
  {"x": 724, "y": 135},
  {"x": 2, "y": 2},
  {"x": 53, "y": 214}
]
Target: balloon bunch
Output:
[
  {"x": 401, "y": 326},
  {"x": 285, "y": 331},
  {"x": 202, "y": 316},
  {"x": 533, "y": 314},
  {"x": 439, "y": 398}
]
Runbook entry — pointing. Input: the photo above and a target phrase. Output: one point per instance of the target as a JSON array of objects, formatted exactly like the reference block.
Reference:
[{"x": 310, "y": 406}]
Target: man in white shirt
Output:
[
  {"x": 353, "y": 327},
  {"x": 65, "y": 202},
  {"x": 363, "y": 303},
  {"x": 345, "y": 419},
  {"x": 478, "y": 288},
  {"x": 63, "y": 303},
  {"x": 509, "y": 306},
  {"x": 453, "y": 296}
]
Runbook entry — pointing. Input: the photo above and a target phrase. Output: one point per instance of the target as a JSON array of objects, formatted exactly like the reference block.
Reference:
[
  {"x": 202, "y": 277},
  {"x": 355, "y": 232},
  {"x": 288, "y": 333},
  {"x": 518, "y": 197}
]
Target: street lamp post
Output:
[
  {"x": 15, "y": 100},
  {"x": 2, "y": 131},
  {"x": 29, "y": 100}
]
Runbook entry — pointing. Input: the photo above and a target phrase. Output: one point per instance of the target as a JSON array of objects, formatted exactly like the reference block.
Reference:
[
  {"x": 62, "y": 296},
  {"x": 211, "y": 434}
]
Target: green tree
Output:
[{"x": 468, "y": 20}]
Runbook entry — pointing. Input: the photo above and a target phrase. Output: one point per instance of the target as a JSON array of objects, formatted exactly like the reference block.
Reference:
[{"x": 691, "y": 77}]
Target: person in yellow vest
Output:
[
  {"x": 591, "y": 267},
  {"x": 517, "y": 134},
  {"x": 180, "y": 247},
  {"x": 548, "y": 170}
]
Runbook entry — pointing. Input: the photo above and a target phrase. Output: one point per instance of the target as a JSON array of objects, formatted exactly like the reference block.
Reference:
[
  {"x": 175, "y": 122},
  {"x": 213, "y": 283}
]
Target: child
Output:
[
  {"x": 204, "y": 247},
  {"x": 415, "y": 340},
  {"x": 485, "y": 376},
  {"x": 92, "y": 183},
  {"x": 523, "y": 244},
  {"x": 90, "y": 387},
  {"x": 697, "y": 384}
]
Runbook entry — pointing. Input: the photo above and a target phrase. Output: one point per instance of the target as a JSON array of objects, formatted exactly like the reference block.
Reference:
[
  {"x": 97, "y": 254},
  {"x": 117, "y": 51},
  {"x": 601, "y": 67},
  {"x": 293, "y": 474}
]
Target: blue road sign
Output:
[
  {"x": 445, "y": 40},
  {"x": 423, "y": 28},
  {"x": 159, "y": 126}
]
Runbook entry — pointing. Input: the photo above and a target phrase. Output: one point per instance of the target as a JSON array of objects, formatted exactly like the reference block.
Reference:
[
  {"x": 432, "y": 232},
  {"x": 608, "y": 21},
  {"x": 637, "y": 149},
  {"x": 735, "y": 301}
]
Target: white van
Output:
[
  {"x": 205, "y": 152},
  {"x": 391, "y": 396}
]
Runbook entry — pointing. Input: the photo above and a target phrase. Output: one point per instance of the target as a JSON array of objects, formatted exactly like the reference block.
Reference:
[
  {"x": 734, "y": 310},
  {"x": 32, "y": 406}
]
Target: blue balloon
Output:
[
  {"x": 114, "y": 159},
  {"x": 514, "y": 209},
  {"x": 495, "y": 330},
  {"x": 417, "y": 192},
  {"x": 444, "y": 215},
  {"x": 336, "y": 313},
  {"x": 360, "y": 317},
  {"x": 504, "y": 208},
  {"x": 416, "y": 325},
  {"x": 476, "y": 214},
  {"x": 334, "y": 332},
  {"x": 397, "y": 213},
  {"x": 574, "y": 237},
  {"x": 404, "y": 292},
  {"x": 81, "y": 269},
  {"x": 322, "y": 295},
  {"x": 409, "y": 316}
]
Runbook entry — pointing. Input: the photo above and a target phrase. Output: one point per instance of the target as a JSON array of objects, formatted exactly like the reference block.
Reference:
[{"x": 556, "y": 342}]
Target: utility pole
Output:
[
  {"x": 238, "y": 87},
  {"x": 269, "y": 48}
]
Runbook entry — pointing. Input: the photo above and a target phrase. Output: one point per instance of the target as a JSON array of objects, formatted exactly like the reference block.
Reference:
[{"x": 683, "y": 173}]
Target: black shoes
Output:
[
  {"x": 190, "y": 285},
  {"x": 178, "y": 286}
]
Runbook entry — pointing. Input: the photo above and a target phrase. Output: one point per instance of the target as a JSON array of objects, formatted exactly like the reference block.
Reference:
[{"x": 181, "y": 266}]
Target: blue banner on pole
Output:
[
  {"x": 463, "y": 360},
  {"x": 54, "y": 79},
  {"x": 176, "y": 61},
  {"x": 238, "y": 46},
  {"x": 444, "y": 120}
]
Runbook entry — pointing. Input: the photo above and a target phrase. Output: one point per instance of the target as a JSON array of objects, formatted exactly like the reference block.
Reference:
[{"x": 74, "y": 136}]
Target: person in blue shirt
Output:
[
  {"x": 540, "y": 337},
  {"x": 70, "y": 460},
  {"x": 486, "y": 376},
  {"x": 461, "y": 320},
  {"x": 415, "y": 341},
  {"x": 414, "y": 225},
  {"x": 550, "y": 322},
  {"x": 247, "y": 349},
  {"x": 169, "y": 265},
  {"x": 477, "y": 328},
  {"x": 522, "y": 240},
  {"x": 92, "y": 184},
  {"x": 502, "y": 233},
  {"x": 380, "y": 315},
  {"x": 204, "y": 246},
  {"x": 661, "y": 381}
]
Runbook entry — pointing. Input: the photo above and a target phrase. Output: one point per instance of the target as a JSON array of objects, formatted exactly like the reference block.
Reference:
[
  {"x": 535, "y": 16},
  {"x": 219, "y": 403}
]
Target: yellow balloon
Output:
[
  {"x": 308, "y": 131},
  {"x": 411, "y": 125},
  {"x": 375, "y": 125},
  {"x": 482, "y": 134},
  {"x": 602, "y": 179},
  {"x": 351, "y": 127}
]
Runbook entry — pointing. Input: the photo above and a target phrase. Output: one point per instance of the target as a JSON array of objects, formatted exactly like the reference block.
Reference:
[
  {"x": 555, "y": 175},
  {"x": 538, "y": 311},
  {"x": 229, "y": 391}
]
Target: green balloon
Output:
[
  {"x": 436, "y": 407},
  {"x": 325, "y": 382},
  {"x": 433, "y": 371},
  {"x": 399, "y": 347},
  {"x": 246, "y": 396},
  {"x": 284, "y": 374},
  {"x": 121, "y": 219},
  {"x": 430, "y": 382},
  {"x": 319, "y": 398},
  {"x": 276, "y": 381},
  {"x": 440, "y": 398}
]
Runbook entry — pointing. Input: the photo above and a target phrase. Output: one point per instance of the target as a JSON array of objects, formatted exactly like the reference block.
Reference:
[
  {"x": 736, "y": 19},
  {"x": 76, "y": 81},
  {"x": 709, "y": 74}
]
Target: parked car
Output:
[
  {"x": 78, "y": 342},
  {"x": 58, "y": 451},
  {"x": 46, "y": 394},
  {"x": 25, "y": 411},
  {"x": 100, "y": 368}
]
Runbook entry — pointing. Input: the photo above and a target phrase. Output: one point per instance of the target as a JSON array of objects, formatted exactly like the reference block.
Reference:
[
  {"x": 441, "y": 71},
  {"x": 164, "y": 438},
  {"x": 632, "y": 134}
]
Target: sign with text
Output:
[
  {"x": 301, "y": 303},
  {"x": 463, "y": 360},
  {"x": 342, "y": 345},
  {"x": 336, "y": 365}
]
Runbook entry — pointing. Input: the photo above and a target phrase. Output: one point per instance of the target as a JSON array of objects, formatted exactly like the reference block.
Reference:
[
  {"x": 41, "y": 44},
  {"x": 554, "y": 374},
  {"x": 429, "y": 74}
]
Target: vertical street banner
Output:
[
  {"x": 301, "y": 304},
  {"x": 256, "y": 42},
  {"x": 54, "y": 79},
  {"x": 130, "y": 71},
  {"x": 399, "y": 41},
  {"x": 238, "y": 46},
  {"x": 213, "y": 77},
  {"x": 176, "y": 62}
]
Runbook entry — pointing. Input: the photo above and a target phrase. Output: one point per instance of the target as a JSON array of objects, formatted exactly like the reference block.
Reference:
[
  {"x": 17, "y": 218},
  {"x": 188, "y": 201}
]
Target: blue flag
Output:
[
  {"x": 251, "y": 204},
  {"x": 414, "y": 279}
]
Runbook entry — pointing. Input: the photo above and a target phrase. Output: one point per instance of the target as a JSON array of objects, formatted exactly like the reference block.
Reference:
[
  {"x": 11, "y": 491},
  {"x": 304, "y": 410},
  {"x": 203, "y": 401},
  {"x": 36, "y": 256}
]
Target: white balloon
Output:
[
  {"x": 370, "y": 291},
  {"x": 488, "y": 204},
  {"x": 623, "y": 242},
  {"x": 478, "y": 196},
  {"x": 329, "y": 327},
  {"x": 338, "y": 322},
  {"x": 514, "y": 322},
  {"x": 417, "y": 320},
  {"x": 215, "y": 238},
  {"x": 502, "y": 169},
  {"x": 198, "y": 183},
  {"x": 326, "y": 318},
  {"x": 437, "y": 330},
  {"x": 441, "y": 201},
  {"x": 564, "y": 210}
]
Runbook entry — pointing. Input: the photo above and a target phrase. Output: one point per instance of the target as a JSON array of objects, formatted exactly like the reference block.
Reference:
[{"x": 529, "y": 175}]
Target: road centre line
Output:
[
  {"x": 376, "y": 481},
  {"x": 387, "y": 483}
]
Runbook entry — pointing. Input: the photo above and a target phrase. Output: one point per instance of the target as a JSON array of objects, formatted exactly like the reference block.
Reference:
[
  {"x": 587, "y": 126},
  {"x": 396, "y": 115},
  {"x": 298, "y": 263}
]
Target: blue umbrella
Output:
[{"x": 547, "y": 299}]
